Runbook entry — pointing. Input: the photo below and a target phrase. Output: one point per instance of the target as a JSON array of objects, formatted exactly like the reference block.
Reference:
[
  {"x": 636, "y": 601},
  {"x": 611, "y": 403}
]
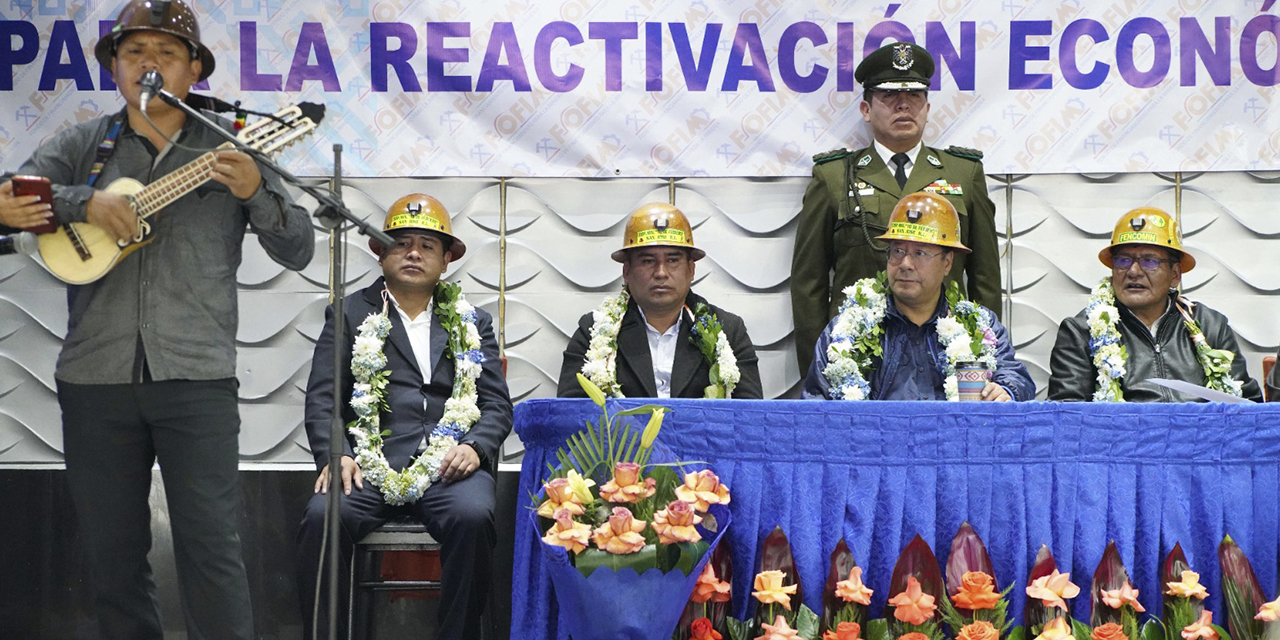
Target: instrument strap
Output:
[{"x": 107, "y": 147}]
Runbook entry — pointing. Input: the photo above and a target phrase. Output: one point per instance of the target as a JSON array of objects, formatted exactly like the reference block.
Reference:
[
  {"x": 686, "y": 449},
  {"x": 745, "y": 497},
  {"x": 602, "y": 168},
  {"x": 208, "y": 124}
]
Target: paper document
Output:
[{"x": 1198, "y": 391}]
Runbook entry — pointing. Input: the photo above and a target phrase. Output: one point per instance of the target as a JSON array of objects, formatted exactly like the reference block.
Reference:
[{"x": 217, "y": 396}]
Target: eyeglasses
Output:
[
  {"x": 1122, "y": 263},
  {"x": 896, "y": 254}
]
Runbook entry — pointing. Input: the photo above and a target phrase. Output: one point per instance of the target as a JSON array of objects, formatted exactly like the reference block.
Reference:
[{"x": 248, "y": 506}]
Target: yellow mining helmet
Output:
[
  {"x": 658, "y": 224},
  {"x": 1151, "y": 226},
  {"x": 928, "y": 218},
  {"x": 423, "y": 213}
]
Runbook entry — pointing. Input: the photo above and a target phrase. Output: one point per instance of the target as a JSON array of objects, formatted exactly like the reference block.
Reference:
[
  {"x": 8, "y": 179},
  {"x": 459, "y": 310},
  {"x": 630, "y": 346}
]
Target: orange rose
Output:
[
  {"x": 1055, "y": 629},
  {"x": 978, "y": 630},
  {"x": 853, "y": 590},
  {"x": 769, "y": 589},
  {"x": 913, "y": 606},
  {"x": 702, "y": 630},
  {"x": 702, "y": 489},
  {"x": 1109, "y": 631},
  {"x": 1189, "y": 587},
  {"x": 977, "y": 591},
  {"x": 568, "y": 533},
  {"x": 560, "y": 496},
  {"x": 708, "y": 588},
  {"x": 621, "y": 534},
  {"x": 1202, "y": 628},
  {"x": 843, "y": 631},
  {"x": 626, "y": 485},
  {"x": 779, "y": 630},
  {"x": 1126, "y": 594},
  {"x": 1053, "y": 589},
  {"x": 676, "y": 523},
  {"x": 914, "y": 635}
]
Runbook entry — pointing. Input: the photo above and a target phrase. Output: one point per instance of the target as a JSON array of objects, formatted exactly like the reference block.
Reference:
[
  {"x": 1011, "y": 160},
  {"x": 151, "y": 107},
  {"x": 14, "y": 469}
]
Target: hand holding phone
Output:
[{"x": 27, "y": 203}]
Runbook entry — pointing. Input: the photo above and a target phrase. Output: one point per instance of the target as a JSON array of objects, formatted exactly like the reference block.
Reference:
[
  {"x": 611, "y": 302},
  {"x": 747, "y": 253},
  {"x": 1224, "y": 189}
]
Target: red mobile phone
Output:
[{"x": 36, "y": 186}]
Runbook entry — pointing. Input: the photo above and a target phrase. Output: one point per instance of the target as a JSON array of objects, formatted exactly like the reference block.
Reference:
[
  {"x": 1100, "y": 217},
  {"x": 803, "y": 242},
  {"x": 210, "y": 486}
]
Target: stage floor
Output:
[{"x": 44, "y": 591}]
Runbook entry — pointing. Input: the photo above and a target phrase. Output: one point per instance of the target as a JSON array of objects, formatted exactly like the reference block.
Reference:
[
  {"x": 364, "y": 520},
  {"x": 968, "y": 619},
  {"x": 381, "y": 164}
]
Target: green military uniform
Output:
[
  {"x": 851, "y": 195},
  {"x": 832, "y": 237}
]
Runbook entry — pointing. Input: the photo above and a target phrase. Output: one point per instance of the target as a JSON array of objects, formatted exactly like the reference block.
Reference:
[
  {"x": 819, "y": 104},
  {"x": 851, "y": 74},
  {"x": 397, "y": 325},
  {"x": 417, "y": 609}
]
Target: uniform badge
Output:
[
  {"x": 903, "y": 56},
  {"x": 934, "y": 161},
  {"x": 864, "y": 161}
]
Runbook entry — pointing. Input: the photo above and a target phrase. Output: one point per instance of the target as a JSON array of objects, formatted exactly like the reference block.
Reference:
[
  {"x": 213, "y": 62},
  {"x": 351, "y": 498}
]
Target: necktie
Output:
[{"x": 900, "y": 160}]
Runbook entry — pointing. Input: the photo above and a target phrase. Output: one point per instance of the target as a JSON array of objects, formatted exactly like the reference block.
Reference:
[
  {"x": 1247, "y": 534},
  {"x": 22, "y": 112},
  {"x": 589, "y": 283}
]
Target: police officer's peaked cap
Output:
[{"x": 899, "y": 66}]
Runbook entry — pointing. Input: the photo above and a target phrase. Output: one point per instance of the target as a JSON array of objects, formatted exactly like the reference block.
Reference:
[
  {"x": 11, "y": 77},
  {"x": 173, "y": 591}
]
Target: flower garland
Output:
[
  {"x": 1215, "y": 362},
  {"x": 1110, "y": 357},
  {"x": 965, "y": 335},
  {"x": 708, "y": 335},
  {"x": 601, "y": 364},
  {"x": 369, "y": 397}
]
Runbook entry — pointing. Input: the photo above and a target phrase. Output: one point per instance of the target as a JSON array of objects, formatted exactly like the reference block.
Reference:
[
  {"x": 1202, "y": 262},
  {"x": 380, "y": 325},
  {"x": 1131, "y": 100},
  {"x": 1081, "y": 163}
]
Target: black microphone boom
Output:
[{"x": 152, "y": 82}]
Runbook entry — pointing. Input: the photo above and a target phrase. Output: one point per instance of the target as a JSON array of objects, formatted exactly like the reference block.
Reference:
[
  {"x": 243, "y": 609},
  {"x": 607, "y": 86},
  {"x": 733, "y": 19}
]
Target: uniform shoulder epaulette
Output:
[
  {"x": 828, "y": 156},
  {"x": 964, "y": 152}
]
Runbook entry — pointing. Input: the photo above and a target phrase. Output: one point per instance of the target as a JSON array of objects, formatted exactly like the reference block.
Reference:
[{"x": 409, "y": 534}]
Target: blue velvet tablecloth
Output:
[{"x": 1072, "y": 476}]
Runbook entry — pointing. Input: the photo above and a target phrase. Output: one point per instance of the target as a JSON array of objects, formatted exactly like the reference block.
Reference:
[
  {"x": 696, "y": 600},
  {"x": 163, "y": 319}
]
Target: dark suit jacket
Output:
[
  {"x": 690, "y": 373},
  {"x": 408, "y": 421}
]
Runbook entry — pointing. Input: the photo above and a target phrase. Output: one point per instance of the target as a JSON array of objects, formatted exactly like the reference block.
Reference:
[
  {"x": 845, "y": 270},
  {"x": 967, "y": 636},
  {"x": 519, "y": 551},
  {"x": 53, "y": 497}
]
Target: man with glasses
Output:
[
  {"x": 852, "y": 193},
  {"x": 1137, "y": 326},
  {"x": 906, "y": 342},
  {"x": 658, "y": 339}
]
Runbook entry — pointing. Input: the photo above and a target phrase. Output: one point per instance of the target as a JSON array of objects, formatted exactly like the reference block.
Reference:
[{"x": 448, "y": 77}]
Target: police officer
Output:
[{"x": 852, "y": 193}]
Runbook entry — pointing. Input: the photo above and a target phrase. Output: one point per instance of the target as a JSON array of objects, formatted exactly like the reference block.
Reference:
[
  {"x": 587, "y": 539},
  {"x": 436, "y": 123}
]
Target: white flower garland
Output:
[
  {"x": 369, "y": 400},
  {"x": 601, "y": 365},
  {"x": 855, "y": 339},
  {"x": 1109, "y": 356},
  {"x": 724, "y": 375}
]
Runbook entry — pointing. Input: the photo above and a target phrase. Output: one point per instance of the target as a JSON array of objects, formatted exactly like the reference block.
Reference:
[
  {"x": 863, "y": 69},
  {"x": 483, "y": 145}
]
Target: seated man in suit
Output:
[
  {"x": 1137, "y": 326},
  {"x": 903, "y": 336},
  {"x": 658, "y": 339},
  {"x": 409, "y": 338}
]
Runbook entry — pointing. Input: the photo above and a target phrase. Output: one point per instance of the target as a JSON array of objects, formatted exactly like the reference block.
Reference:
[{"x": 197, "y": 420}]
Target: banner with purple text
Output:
[{"x": 586, "y": 88}]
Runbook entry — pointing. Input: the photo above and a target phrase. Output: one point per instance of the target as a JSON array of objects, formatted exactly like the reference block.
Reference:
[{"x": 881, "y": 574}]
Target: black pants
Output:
[
  {"x": 458, "y": 515},
  {"x": 113, "y": 434}
]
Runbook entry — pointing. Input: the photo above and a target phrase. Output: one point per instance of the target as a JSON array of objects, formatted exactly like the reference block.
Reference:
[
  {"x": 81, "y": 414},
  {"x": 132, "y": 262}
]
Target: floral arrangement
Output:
[
  {"x": 368, "y": 396},
  {"x": 708, "y": 335},
  {"x": 970, "y": 605},
  {"x": 610, "y": 507}
]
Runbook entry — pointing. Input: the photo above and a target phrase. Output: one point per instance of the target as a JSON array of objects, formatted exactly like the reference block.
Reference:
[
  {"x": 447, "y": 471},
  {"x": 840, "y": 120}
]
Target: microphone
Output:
[
  {"x": 152, "y": 82},
  {"x": 23, "y": 242}
]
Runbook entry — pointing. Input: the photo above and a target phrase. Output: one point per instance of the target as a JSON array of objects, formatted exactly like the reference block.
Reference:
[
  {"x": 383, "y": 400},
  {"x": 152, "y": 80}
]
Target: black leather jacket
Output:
[{"x": 1170, "y": 354}]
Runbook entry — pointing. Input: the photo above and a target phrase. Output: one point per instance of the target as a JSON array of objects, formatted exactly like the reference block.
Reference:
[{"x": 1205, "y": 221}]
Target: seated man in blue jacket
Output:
[{"x": 901, "y": 336}]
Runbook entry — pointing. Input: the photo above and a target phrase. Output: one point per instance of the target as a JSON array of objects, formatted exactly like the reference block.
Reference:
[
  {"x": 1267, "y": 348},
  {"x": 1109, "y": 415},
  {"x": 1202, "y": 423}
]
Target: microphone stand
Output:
[{"x": 331, "y": 213}]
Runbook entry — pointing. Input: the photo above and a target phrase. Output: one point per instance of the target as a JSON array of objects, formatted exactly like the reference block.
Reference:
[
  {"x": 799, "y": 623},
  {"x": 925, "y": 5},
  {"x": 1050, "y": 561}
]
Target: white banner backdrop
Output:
[{"x": 588, "y": 88}]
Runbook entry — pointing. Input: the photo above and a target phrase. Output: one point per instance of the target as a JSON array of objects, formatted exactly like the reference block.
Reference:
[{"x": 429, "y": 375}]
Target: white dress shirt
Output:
[{"x": 662, "y": 350}]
